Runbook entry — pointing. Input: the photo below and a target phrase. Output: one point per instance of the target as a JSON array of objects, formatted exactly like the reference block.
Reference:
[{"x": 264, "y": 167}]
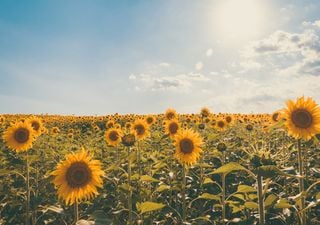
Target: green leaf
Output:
[
  {"x": 163, "y": 187},
  {"x": 251, "y": 205},
  {"x": 208, "y": 180},
  {"x": 147, "y": 178},
  {"x": 209, "y": 196},
  {"x": 270, "y": 200},
  {"x": 282, "y": 204},
  {"x": 149, "y": 206},
  {"x": 232, "y": 166},
  {"x": 245, "y": 189}
]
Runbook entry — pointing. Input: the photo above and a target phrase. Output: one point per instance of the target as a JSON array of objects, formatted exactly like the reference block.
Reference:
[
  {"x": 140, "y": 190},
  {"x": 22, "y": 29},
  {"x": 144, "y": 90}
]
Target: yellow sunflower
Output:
[
  {"x": 172, "y": 127},
  {"x": 150, "y": 119},
  {"x": 19, "y": 136},
  {"x": 205, "y": 112},
  {"x": 113, "y": 136},
  {"x": 221, "y": 124},
  {"x": 140, "y": 128},
  {"x": 78, "y": 177},
  {"x": 302, "y": 118},
  {"x": 170, "y": 114},
  {"x": 37, "y": 125},
  {"x": 188, "y": 146}
]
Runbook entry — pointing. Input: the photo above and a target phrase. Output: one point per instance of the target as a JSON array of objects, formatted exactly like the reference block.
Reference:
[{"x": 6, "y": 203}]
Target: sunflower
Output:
[
  {"x": 77, "y": 177},
  {"x": 302, "y": 118},
  {"x": 221, "y": 124},
  {"x": 113, "y": 136},
  {"x": 188, "y": 146},
  {"x": 205, "y": 112},
  {"x": 37, "y": 125},
  {"x": 150, "y": 119},
  {"x": 170, "y": 114},
  {"x": 19, "y": 136},
  {"x": 140, "y": 128},
  {"x": 172, "y": 127}
]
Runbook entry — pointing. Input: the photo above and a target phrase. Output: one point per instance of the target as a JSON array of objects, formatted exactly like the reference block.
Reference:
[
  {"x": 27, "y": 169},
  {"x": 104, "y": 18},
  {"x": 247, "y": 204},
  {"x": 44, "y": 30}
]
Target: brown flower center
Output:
[
  {"x": 170, "y": 115},
  {"x": 78, "y": 175},
  {"x": 228, "y": 119},
  {"x": 186, "y": 145},
  {"x": 140, "y": 129},
  {"x": 149, "y": 120},
  {"x": 35, "y": 125},
  {"x": 173, "y": 128},
  {"x": 21, "y": 135},
  {"x": 301, "y": 118},
  {"x": 114, "y": 136},
  {"x": 220, "y": 124},
  {"x": 275, "y": 117}
]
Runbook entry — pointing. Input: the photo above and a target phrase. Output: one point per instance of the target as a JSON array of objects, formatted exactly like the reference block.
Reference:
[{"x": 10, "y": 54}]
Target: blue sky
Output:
[{"x": 101, "y": 57}]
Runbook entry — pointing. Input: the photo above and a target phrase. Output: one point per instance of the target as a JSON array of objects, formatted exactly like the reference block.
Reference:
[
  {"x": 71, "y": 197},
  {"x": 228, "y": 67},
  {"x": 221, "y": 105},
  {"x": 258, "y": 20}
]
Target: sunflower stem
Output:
[
  {"x": 183, "y": 194},
  {"x": 28, "y": 188},
  {"x": 260, "y": 200},
  {"x": 301, "y": 184},
  {"x": 130, "y": 189},
  {"x": 223, "y": 177},
  {"x": 76, "y": 211}
]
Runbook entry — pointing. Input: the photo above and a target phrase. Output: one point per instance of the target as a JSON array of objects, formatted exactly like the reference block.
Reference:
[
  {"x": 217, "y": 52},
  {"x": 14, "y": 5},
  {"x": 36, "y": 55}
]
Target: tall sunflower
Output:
[
  {"x": 19, "y": 136},
  {"x": 170, "y": 114},
  {"x": 188, "y": 146},
  {"x": 78, "y": 177},
  {"x": 113, "y": 136},
  {"x": 302, "y": 118},
  {"x": 140, "y": 128}
]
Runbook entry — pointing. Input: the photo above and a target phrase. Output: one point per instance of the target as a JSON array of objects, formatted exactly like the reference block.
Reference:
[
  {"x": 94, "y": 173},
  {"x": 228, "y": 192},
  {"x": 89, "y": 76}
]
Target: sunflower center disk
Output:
[
  {"x": 35, "y": 125},
  {"x": 113, "y": 136},
  {"x": 78, "y": 175},
  {"x": 221, "y": 124},
  {"x": 302, "y": 118},
  {"x": 173, "y": 128},
  {"x": 140, "y": 129},
  {"x": 21, "y": 135},
  {"x": 186, "y": 145}
]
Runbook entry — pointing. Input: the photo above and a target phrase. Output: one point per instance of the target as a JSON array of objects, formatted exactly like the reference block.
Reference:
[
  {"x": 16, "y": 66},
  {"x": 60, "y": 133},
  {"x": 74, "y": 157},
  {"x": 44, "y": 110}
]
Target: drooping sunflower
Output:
[
  {"x": 78, "y": 177},
  {"x": 37, "y": 125},
  {"x": 188, "y": 146},
  {"x": 302, "y": 118},
  {"x": 140, "y": 128},
  {"x": 172, "y": 127},
  {"x": 19, "y": 136},
  {"x": 113, "y": 136}
]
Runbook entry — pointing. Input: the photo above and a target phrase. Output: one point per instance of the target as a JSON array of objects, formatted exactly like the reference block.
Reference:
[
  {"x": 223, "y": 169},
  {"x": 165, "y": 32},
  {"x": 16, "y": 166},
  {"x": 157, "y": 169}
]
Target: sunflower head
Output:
[
  {"x": 37, "y": 125},
  {"x": 128, "y": 140},
  {"x": 221, "y": 124},
  {"x": 188, "y": 146},
  {"x": 150, "y": 119},
  {"x": 302, "y": 118},
  {"x": 141, "y": 129},
  {"x": 78, "y": 177},
  {"x": 170, "y": 114},
  {"x": 172, "y": 127},
  {"x": 205, "y": 112},
  {"x": 113, "y": 136},
  {"x": 19, "y": 136}
]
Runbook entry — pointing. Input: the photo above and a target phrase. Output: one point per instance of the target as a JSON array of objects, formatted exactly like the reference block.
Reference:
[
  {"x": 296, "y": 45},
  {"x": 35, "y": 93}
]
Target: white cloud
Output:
[
  {"x": 209, "y": 52},
  {"x": 199, "y": 66},
  {"x": 180, "y": 82},
  {"x": 132, "y": 77},
  {"x": 164, "y": 64}
]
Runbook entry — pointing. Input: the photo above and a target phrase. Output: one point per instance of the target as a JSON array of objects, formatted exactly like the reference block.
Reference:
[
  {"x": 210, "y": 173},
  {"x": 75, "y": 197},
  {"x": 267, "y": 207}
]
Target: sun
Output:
[{"x": 239, "y": 19}]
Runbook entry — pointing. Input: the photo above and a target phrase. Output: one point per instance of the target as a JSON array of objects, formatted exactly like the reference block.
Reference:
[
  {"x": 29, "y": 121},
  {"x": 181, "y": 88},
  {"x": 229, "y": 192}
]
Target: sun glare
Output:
[{"x": 239, "y": 19}]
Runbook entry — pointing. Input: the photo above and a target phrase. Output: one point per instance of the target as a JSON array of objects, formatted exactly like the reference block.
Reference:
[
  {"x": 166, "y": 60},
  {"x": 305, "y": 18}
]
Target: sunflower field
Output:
[{"x": 163, "y": 169}]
